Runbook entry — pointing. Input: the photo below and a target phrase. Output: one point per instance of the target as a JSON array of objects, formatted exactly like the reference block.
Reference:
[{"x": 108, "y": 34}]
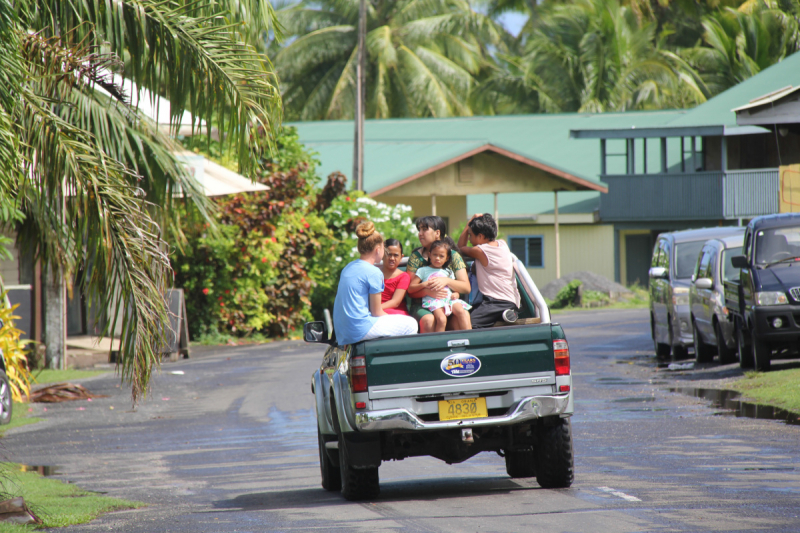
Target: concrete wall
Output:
[{"x": 583, "y": 247}]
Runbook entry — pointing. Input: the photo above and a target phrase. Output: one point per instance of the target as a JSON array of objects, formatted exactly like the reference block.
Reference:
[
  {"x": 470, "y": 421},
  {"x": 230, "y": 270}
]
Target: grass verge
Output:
[
  {"x": 780, "y": 388},
  {"x": 20, "y": 416},
  {"x": 57, "y": 504},
  {"x": 47, "y": 375}
]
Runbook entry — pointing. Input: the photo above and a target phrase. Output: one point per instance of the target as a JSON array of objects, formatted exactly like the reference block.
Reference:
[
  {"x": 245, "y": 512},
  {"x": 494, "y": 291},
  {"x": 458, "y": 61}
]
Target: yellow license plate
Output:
[{"x": 462, "y": 408}]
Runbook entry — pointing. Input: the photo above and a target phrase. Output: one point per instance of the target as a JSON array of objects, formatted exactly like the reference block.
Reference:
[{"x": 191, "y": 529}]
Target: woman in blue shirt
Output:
[{"x": 357, "y": 312}]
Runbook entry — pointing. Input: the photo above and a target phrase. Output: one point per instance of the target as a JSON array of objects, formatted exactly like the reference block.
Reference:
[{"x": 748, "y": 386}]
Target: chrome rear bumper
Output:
[{"x": 528, "y": 408}]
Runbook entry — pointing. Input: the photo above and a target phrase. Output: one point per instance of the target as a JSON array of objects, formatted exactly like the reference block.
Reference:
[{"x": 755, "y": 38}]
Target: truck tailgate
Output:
[{"x": 502, "y": 354}]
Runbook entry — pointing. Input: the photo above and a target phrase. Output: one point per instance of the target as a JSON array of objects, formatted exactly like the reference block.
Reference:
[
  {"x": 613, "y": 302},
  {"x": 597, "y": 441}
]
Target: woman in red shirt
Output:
[{"x": 396, "y": 281}]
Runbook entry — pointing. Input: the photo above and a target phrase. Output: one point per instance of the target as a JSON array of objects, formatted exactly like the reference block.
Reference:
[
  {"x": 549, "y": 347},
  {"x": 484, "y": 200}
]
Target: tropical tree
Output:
[
  {"x": 87, "y": 180},
  {"x": 592, "y": 56},
  {"x": 740, "y": 43},
  {"x": 424, "y": 57}
]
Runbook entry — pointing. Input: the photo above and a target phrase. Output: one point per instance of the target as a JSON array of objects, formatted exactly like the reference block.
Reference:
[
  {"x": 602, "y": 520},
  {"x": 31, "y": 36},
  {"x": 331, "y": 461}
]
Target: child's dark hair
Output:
[
  {"x": 442, "y": 243},
  {"x": 484, "y": 225},
  {"x": 393, "y": 242}
]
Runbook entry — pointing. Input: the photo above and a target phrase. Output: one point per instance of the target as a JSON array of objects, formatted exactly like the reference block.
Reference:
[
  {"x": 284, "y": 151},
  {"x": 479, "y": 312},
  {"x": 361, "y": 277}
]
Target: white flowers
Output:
[{"x": 338, "y": 259}]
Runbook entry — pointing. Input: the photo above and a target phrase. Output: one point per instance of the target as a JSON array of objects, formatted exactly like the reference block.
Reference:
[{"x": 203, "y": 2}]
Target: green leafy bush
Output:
[
  {"x": 250, "y": 273},
  {"x": 568, "y": 295}
]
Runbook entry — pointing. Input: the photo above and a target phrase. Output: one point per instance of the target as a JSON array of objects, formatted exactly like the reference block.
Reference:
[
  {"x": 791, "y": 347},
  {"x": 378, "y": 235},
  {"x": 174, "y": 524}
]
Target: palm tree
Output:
[
  {"x": 86, "y": 179},
  {"x": 594, "y": 56},
  {"x": 740, "y": 43},
  {"x": 424, "y": 57}
]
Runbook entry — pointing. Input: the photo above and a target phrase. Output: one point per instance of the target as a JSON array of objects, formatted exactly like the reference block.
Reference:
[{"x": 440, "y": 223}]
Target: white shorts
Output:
[{"x": 391, "y": 326}]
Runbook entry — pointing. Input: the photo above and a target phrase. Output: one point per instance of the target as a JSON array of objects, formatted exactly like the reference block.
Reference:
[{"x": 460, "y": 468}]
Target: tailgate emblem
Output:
[{"x": 460, "y": 365}]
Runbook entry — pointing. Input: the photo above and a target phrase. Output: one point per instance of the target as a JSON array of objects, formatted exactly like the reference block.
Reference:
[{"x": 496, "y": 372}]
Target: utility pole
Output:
[{"x": 361, "y": 91}]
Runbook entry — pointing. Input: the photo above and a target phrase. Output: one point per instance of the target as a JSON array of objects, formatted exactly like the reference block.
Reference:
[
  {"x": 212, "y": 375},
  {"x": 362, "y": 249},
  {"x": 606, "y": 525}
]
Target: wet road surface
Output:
[{"x": 230, "y": 445}]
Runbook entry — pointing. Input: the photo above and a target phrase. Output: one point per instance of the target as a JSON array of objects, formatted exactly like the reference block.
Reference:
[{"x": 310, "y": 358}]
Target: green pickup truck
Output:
[{"x": 448, "y": 395}]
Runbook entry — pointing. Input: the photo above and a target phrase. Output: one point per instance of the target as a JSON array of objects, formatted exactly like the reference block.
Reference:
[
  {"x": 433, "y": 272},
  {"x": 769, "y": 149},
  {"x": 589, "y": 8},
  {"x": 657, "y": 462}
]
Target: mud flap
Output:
[{"x": 363, "y": 449}]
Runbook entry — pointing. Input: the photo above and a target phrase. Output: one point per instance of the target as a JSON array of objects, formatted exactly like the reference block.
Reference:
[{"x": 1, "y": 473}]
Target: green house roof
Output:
[
  {"x": 398, "y": 148},
  {"x": 714, "y": 117}
]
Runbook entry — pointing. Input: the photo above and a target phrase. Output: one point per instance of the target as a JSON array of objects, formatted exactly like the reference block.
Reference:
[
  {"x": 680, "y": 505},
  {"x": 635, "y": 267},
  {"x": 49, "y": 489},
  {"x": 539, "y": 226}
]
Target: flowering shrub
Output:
[
  {"x": 251, "y": 273},
  {"x": 342, "y": 217}
]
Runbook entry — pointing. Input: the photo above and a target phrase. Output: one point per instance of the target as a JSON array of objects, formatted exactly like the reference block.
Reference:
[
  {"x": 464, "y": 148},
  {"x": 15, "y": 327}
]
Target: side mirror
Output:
[
  {"x": 658, "y": 272},
  {"x": 739, "y": 261},
  {"x": 315, "y": 332},
  {"x": 703, "y": 283}
]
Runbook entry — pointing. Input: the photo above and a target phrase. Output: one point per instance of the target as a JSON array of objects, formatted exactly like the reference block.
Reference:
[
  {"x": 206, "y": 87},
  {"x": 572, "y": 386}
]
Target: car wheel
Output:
[
  {"x": 331, "y": 475},
  {"x": 761, "y": 353},
  {"x": 555, "y": 461},
  {"x": 661, "y": 349},
  {"x": 743, "y": 349},
  {"x": 357, "y": 484},
  {"x": 702, "y": 352},
  {"x": 726, "y": 355},
  {"x": 6, "y": 404},
  {"x": 521, "y": 463}
]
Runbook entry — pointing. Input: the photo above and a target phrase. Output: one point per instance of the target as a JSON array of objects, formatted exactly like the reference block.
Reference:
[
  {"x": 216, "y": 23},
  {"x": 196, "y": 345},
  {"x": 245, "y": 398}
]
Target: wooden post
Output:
[
  {"x": 433, "y": 205},
  {"x": 496, "y": 212},
  {"x": 664, "y": 169},
  {"x": 558, "y": 244},
  {"x": 358, "y": 149}
]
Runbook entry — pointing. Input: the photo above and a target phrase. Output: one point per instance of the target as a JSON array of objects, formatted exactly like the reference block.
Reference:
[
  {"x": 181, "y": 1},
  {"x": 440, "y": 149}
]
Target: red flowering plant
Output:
[{"x": 250, "y": 273}]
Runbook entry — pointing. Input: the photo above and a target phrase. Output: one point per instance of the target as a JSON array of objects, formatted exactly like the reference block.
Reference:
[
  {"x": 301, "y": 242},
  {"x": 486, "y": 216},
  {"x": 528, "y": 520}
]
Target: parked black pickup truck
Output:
[{"x": 765, "y": 301}]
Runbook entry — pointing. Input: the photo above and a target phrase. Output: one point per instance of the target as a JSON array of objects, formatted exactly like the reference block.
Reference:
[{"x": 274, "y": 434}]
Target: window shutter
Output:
[
  {"x": 535, "y": 258},
  {"x": 517, "y": 245}
]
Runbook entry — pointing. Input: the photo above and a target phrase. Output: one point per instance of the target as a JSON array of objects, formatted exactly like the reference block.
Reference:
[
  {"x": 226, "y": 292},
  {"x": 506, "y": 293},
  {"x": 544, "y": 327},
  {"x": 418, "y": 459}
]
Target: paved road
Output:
[{"x": 230, "y": 445}]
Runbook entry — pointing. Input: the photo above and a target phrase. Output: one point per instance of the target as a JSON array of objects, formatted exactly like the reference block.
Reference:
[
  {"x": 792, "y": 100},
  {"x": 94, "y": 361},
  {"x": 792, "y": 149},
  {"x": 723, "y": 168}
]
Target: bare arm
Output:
[
  {"x": 375, "y": 305},
  {"x": 397, "y": 297},
  {"x": 471, "y": 251},
  {"x": 417, "y": 286}
]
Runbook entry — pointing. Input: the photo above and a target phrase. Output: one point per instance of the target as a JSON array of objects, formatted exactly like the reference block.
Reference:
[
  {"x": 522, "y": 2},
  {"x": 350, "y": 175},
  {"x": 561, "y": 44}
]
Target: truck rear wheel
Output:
[
  {"x": 761, "y": 353},
  {"x": 555, "y": 462},
  {"x": 331, "y": 475},
  {"x": 357, "y": 483},
  {"x": 521, "y": 463}
]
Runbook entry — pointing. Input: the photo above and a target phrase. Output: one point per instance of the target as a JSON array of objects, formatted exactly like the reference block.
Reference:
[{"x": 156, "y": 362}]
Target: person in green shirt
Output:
[{"x": 431, "y": 229}]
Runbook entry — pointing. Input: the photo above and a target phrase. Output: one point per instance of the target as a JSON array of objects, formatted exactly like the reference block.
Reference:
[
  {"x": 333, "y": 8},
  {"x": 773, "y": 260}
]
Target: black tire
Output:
[
  {"x": 743, "y": 349},
  {"x": 331, "y": 475},
  {"x": 679, "y": 352},
  {"x": 6, "y": 404},
  {"x": 555, "y": 462},
  {"x": 703, "y": 353},
  {"x": 357, "y": 484},
  {"x": 521, "y": 463},
  {"x": 726, "y": 355},
  {"x": 761, "y": 353},
  {"x": 662, "y": 350}
]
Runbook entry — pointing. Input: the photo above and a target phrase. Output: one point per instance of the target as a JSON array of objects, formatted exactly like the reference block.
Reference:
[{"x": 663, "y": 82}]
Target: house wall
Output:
[
  {"x": 583, "y": 247},
  {"x": 452, "y": 208}
]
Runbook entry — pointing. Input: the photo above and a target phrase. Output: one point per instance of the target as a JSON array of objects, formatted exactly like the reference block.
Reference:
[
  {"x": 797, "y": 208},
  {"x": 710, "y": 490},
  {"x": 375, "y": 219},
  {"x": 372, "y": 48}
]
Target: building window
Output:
[{"x": 529, "y": 250}]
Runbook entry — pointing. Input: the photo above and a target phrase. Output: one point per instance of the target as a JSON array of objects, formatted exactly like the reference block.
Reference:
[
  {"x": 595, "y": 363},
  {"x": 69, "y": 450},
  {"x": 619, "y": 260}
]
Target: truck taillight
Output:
[
  {"x": 561, "y": 355},
  {"x": 358, "y": 374}
]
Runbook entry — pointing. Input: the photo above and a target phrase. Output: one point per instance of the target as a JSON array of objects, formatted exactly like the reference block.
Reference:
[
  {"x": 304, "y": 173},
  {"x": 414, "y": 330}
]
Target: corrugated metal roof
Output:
[
  {"x": 399, "y": 148},
  {"x": 719, "y": 110}
]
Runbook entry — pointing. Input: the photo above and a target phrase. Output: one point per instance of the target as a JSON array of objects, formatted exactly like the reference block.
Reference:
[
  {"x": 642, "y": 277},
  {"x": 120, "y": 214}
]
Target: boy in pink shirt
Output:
[{"x": 494, "y": 268}]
